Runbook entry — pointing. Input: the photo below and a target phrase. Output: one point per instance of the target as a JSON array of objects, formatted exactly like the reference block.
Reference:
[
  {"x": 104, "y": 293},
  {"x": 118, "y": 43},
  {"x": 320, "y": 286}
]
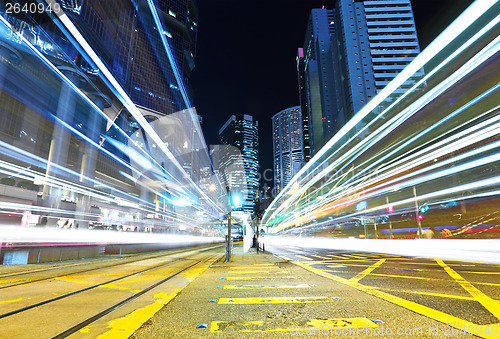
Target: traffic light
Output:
[{"x": 236, "y": 201}]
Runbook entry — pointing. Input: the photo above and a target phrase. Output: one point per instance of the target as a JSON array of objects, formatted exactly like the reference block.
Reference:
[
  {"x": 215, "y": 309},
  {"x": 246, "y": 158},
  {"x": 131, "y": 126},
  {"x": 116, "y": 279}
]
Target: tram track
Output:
[
  {"x": 101, "y": 299},
  {"x": 119, "y": 261},
  {"x": 99, "y": 315}
]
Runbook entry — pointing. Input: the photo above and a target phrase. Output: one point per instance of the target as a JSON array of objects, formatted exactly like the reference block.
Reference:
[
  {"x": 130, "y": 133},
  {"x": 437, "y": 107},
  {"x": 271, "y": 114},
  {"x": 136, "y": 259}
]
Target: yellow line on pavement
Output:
[
  {"x": 311, "y": 327},
  {"x": 248, "y": 272},
  {"x": 428, "y": 293},
  {"x": 302, "y": 257},
  {"x": 124, "y": 327},
  {"x": 337, "y": 256},
  {"x": 274, "y": 267},
  {"x": 258, "y": 278},
  {"x": 345, "y": 264},
  {"x": 10, "y": 301},
  {"x": 491, "y": 305},
  {"x": 367, "y": 271},
  {"x": 410, "y": 305},
  {"x": 275, "y": 300},
  {"x": 355, "y": 256},
  {"x": 78, "y": 281},
  {"x": 139, "y": 280},
  {"x": 320, "y": 257},
  {"x": 259, "y": 287}
]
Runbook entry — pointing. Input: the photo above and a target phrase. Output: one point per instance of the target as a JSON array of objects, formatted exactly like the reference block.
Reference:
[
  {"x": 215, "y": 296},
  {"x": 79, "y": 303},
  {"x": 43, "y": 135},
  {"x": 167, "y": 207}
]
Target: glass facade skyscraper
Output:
[
  {"x": 287, "y": 146},
  {"x": 351, "y": 52},
  {"x": 241, "y": 131},
  {"x": 97, "y": 120}
]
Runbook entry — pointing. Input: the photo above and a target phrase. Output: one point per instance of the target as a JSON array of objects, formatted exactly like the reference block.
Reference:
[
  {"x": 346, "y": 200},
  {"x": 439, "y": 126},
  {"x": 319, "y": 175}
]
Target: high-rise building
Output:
[
  {"x": 303, "y": 104},
  {"x": 77, "y": 95},
  {"x": 319, "y": 80},
  {"x": 287, "y": 146},
  {"x": 242, "y": 131},
  {"x": 351, "y": 52}
]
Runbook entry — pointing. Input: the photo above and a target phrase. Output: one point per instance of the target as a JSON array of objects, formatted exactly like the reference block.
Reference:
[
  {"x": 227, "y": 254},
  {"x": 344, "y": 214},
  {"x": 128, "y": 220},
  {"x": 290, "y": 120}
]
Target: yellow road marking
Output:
[
  {"x": 259, "y": 287},
  {"x": 336, "y": 256},
  {"x": 471, "y": 272},
  {"x": 124, "y": 327},
  {"x": 428, "y": 293},
  {"x": 318, "y": 256},
  {"x": 78, "y": 281},
  {"x": 275, "y": 300},
  {"x": 6, "y": 281},
  {"x": 286, "y": 258},
  {"x": 345, "y": 264},
  {"x": 313, "y": 326},
  {"x": 139, "y": 280},
  {"x": 247, "y": 272},
  {"x": 274, "y": 267},
  {"x": 402, "y": 276},
  {"x": 258, "y": 278},
  {"x": 10, "y": 301},
  {"x": 302, "y": 257},
  {"x": 484, "y": 283},
  {"x": 367, "y": 271},
  {"x": 354, "y": 256},
  {"x": 491, "y": 305},
  {"x": 412, "y": 306}
]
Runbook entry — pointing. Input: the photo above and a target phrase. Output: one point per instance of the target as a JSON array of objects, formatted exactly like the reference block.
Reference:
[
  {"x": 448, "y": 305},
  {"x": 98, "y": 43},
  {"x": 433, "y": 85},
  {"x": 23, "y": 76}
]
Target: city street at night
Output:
[{"x": 249, "y": 169}]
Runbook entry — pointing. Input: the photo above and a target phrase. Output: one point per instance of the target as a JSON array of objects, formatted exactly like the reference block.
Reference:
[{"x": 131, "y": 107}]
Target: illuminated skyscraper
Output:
[
  {"x": 242, "y": 131},
  {"x": 306, "y": 144},
  {"x": 351, "y": 53},
  {"x": 98, "y": 99},
  {"x": 287, "y": 146}
]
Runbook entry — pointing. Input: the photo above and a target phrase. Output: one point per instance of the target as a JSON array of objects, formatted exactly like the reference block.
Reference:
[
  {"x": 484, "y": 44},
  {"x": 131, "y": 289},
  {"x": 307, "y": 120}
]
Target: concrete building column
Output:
[
  {"x": 59, "y": 145},
  {"x": 89, "y": 160}
]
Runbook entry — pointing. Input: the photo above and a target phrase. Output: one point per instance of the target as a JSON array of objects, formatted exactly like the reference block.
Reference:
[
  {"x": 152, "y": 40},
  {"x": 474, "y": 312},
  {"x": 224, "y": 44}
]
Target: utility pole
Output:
[{"x": 229, "y": 242}]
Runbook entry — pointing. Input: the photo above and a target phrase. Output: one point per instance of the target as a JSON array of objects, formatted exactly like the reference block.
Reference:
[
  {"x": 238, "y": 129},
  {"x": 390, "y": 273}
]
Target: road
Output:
[{"x": 457, "y": 293}]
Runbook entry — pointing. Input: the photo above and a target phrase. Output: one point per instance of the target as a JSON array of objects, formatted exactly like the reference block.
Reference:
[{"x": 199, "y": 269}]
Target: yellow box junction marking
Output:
[
  {"x": 260, "y": 287},
  {"x": 320, "y": 257},
  {"x": 410, "y": 305},
  {"x": 313, "y": 326},
  {"x": 367, "y": 271},
  {"x": 491, "y": 305},
  {"x": 275, "y": 300}
]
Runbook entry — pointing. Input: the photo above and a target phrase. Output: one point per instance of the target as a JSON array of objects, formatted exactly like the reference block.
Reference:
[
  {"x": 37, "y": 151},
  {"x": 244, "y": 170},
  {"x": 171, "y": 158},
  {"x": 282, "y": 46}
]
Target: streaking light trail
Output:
[{"x": 425, "y": 164}]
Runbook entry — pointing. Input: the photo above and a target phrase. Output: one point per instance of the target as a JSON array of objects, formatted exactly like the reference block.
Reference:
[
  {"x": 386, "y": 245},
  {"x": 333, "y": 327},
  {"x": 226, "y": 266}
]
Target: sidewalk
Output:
[{"x": 264, "y": 296}]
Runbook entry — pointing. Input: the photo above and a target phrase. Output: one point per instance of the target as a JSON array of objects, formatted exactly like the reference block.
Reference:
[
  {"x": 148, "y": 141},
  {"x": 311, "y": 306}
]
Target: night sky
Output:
[{"x": 245, "y": 62}]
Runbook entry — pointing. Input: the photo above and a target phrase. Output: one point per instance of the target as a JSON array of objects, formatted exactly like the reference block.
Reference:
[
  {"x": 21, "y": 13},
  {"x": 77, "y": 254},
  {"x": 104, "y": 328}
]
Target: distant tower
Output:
[
  {"x": 242, "y": 131},
  {"x": 287, "y": 146}
]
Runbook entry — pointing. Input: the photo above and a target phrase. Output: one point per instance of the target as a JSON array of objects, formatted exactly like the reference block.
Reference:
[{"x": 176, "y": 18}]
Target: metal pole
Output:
[
  {"x": 390, "y": 223},
  {"x": 228, "y": 241},
  {"x": 416, "y": 213}
]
